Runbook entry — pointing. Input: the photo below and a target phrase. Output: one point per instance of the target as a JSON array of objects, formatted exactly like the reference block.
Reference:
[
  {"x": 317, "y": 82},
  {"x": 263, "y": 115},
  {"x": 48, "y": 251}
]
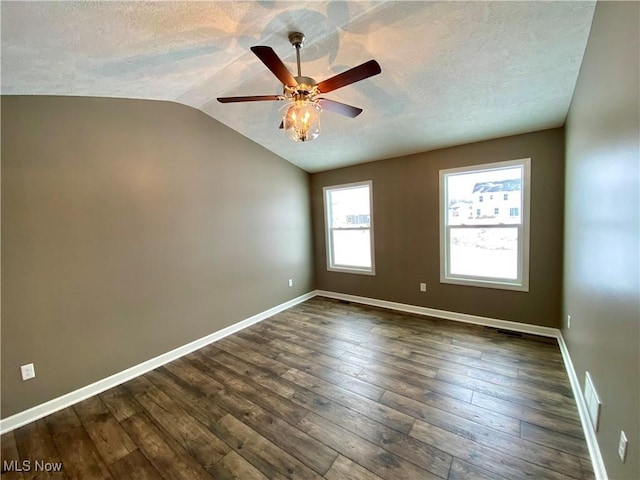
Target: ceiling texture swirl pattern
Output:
[{"x": 452, "y": 72}]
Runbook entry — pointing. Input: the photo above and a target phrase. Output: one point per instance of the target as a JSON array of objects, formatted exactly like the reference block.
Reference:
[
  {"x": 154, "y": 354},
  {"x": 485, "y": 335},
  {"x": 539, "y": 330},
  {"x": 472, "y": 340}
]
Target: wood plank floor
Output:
[{"x": 331, "y": 390}]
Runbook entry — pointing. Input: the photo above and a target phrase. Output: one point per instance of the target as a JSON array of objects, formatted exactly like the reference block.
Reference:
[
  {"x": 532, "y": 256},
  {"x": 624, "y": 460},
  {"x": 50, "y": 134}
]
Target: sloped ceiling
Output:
[{"x": 452, "y": 72}]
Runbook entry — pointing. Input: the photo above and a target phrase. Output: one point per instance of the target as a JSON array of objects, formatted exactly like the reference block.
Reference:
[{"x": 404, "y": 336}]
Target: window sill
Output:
[
  {"x": 355, "y": 270},
  {"x": 498, "y": 285}
]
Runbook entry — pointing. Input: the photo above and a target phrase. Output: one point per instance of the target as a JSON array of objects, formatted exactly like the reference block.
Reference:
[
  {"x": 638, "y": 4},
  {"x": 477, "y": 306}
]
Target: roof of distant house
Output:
[{"x": 501, "y": 186}]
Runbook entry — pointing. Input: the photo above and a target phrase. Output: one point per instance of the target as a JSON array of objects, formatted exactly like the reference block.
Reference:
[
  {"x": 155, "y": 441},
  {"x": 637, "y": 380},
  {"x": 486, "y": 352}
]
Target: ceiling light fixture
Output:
[
  {"x": 301, "y": 117},
  {"x": 301, "y": 120}
]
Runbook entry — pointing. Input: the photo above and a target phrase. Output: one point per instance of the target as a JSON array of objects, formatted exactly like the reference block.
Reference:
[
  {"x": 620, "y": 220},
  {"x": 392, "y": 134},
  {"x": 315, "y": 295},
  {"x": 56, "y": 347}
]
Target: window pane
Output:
[
  {"x": 484, "y": 252},
  {"x": 350, "y": 207},
  {"x": 352, "y": 248},
  {"x": 471, "y": 201}
]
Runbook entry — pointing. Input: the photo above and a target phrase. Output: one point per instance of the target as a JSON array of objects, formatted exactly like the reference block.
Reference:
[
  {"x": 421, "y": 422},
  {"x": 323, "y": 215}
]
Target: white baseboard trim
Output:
[
  {"x": 71, "y": 398},
  {"x": 590, "y": 435},
  {"x": 432, "y": 312},
  {"x": 592, "y": 442}
]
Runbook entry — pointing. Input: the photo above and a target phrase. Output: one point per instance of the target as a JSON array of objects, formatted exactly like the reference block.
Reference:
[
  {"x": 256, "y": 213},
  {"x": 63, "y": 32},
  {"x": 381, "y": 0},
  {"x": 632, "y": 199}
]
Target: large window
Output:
[
  {"x": 349, "y": 226},
  {"x": 484, "y": 225}
]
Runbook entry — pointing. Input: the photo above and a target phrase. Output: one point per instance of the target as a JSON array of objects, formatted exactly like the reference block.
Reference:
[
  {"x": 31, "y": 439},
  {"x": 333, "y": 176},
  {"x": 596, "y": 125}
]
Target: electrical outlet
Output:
[
  {"x": 291, "y": 282},
  {"x": 568, "y": 321},
  {"x": 28, "y": 371},
  {"x": 622, "y": 447},
  {"x": 423, "y": 287}
]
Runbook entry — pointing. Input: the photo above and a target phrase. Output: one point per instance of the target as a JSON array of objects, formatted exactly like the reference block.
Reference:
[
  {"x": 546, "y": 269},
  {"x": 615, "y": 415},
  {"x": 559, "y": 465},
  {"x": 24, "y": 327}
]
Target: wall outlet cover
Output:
[
  {"x": 622, "y": 446},
  {"x": 28, "y": 371}
]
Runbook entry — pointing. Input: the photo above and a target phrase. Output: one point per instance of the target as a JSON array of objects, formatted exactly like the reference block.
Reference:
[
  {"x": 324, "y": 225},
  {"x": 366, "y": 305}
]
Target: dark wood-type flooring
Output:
[{"x": 330, "y": 390}]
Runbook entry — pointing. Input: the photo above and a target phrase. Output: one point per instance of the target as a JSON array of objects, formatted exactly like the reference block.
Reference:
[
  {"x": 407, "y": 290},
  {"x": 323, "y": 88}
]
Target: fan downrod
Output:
[{"x": 297, "y": 40}]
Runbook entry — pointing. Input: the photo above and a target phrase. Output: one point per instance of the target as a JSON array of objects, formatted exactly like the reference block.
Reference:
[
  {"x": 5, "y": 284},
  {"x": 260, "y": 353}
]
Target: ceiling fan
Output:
[{"x": 301, "y": 120}]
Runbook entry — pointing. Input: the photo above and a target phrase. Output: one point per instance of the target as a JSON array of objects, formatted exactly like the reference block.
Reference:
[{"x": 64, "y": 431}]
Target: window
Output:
[
  {"x": 349, "y": 227},
  {"x": 486, "y": 251}
]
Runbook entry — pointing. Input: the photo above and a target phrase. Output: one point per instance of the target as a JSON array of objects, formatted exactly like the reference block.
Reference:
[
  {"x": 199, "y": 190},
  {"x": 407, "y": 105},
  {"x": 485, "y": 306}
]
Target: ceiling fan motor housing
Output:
[
  {"x": 306, "y": 81},
  {"x": 305, "y": 89}
]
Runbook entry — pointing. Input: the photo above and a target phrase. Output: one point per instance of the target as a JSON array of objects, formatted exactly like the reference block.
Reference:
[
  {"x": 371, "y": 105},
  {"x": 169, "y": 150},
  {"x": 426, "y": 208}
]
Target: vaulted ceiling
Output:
[{"x": 452, "y": 72}]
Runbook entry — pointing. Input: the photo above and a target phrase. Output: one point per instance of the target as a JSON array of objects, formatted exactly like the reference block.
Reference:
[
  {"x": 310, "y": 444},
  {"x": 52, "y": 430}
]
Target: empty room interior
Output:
[{"x": 320, "y": 240}]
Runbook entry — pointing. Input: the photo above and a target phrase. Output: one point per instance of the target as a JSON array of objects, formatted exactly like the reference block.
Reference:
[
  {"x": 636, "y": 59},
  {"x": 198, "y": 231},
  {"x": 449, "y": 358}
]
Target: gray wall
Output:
[
  {"x": 601, "y": 287},
  {"x": 130, "y": 228},
  {"x": 405, "y": 204}
]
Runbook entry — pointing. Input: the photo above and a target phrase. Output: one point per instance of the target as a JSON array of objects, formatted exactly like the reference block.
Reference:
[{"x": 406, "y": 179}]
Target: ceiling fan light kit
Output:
[
  {"x": 301, "y": 117},
  {"x": 301, "y": 120}
]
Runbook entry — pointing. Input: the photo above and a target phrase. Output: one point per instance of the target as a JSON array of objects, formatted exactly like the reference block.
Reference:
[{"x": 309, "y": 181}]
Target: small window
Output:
[
  {"x": 349, "y": 227},
  {"x": 486, "y": 251}
]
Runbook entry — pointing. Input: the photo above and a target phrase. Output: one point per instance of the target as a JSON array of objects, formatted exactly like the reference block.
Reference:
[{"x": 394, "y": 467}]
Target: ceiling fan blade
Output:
[
  {"x": 254, "y": 98},
  {"x": 273, "y": 63},
  {"x": 366, "y": 70},
  {"x": 341, "y": 108}
]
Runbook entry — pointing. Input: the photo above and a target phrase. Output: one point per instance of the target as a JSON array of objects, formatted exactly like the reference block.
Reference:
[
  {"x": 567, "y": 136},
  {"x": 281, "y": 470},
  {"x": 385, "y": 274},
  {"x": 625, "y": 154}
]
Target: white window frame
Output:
[
  {"x": 522, "y": 281},
  {"x": 331, "y": 266}
]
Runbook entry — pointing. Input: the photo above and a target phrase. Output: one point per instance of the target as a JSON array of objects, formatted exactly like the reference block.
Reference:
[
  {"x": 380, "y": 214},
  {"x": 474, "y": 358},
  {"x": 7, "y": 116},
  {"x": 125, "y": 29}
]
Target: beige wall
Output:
[
  {"x": 406, "y": 223},
  {"x": 130, "y": 228},
  {"x": 601, "y": 288}
]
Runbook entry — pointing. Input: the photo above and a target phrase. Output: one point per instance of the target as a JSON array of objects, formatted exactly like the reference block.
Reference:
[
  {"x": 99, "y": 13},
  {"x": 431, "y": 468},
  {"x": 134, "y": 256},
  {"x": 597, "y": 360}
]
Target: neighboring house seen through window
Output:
[
  {"x": 349, "y": 228},
  {"x": 490, "y": 248}
]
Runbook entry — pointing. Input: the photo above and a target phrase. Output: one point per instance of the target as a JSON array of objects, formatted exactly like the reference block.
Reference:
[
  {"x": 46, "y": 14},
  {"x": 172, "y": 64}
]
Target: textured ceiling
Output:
[{"x": 452, "y": 72}]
